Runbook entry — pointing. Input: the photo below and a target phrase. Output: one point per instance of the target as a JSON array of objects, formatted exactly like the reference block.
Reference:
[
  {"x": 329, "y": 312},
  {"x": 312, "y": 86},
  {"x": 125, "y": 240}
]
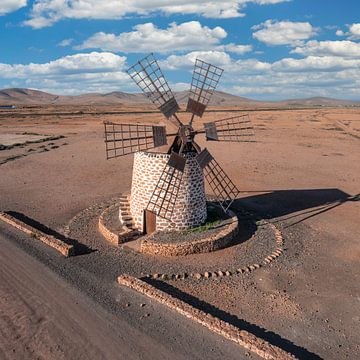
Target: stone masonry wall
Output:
[{"x": 190, "y": 208}]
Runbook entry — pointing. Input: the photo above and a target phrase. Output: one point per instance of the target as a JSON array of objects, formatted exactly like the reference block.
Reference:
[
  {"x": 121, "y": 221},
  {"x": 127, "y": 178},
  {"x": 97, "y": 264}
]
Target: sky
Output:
[{"x": 269, "y": 49}]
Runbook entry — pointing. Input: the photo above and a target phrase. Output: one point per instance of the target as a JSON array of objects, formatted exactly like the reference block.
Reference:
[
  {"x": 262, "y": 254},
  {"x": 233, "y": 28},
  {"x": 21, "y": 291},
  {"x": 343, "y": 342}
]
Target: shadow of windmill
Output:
[{"x": 296, "y": 205}]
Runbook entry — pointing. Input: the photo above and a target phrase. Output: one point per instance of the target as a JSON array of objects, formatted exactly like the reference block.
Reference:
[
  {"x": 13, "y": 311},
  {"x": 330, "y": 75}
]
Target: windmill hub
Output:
[
  {"x": 186, "y": 133},
  {"x": 168, "y": 189}
]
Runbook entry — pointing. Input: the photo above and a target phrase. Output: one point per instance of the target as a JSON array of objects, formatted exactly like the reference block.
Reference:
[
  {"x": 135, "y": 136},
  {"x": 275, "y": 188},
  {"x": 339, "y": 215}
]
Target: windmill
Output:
[{"x": 122, "y": 139}]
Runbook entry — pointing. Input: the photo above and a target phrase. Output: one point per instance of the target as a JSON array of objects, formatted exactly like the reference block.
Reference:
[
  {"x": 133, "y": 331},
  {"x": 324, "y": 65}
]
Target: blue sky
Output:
[{"x": 270, "y": 49}]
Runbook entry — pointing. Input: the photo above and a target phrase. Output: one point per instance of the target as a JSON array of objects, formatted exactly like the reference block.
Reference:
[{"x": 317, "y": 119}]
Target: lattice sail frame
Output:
[
  {"x": 223, "y": 188},
  {"x": 235, "y": 129},
  {"x": 124, "y": 139},
  {"x": 148, "y": 76},
  {"x": 204, "y": 81},
  {"x": 131, "y": 138},
  {"x": 163, "y": 199}
]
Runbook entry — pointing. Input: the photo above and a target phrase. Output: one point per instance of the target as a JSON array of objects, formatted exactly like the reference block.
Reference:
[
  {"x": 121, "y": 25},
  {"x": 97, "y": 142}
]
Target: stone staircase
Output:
[
  {"x": 130, "y": 231},
  {"x": 116, "y": 223}
]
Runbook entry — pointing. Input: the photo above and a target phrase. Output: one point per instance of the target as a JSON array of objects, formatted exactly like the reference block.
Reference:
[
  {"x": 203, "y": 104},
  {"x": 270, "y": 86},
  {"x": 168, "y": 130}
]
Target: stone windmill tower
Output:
[{"x": 167, "y": 191}]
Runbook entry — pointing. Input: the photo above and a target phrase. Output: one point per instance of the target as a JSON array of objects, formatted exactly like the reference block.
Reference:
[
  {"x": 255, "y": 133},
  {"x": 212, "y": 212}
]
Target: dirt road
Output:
[{"x": 43, "y": 317}]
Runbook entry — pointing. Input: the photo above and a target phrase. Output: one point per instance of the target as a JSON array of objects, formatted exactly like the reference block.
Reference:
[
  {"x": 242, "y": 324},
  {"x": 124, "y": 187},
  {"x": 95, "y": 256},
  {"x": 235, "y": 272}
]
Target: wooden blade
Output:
[
  {"x": 148, "y": 76},
  {"x": 124, "y": 139},
  {"x": 204, "y": 81},
  {"x": 237, "y": 129},
  {"x": 163, "y": 199},
  {"x": 221, "y": 185}
]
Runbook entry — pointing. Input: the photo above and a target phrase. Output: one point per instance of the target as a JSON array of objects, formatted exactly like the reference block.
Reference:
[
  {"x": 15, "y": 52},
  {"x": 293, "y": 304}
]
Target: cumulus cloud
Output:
[
  {"x": 66, "y": 42},
  {"x": 334, "y": 76},
  {"x": 316, "y": 63},
  {"x": 310, "y": 76},
  {"x": 344, "y": 48},
  {"x": 147, "y": 37},
  {"x": 273, "y": 32},
  {"x": 77, "y": 73},
  {"x": 276, "y": 84},
  {"x": 339, "y": 33},
  {"x": 218, "y": 58},
  {"x": 237, "y": 49},
  {"x": 46, "y": 12},
  {"x": 354, "y": 31},
  {"x": 176, "y": 62},
  {"x": 8, "y": 6}
]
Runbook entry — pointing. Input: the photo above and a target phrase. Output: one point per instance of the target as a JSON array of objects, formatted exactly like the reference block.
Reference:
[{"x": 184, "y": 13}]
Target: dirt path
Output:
[{"x": 43, "y": 317}]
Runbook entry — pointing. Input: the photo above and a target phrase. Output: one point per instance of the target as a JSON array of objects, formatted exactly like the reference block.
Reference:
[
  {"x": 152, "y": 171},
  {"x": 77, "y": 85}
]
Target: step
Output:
[
  {"x": 124, "y": 208},
  {"x": 128, "y": 223},
  {"x": 126, "y": 218},
  {"x": 124, "y": 203}
]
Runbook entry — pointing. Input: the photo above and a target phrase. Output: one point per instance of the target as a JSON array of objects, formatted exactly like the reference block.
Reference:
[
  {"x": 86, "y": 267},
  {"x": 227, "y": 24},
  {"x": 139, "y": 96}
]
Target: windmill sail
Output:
[
  {"x": 163, "y": 199},
  {"x": 237, "y": 129},
  {"x": 221, "y": 185},
  {"x": 204, "y": 81},
  {"x": 148, "y": 76},
  {"x": 124, "y": 139}
]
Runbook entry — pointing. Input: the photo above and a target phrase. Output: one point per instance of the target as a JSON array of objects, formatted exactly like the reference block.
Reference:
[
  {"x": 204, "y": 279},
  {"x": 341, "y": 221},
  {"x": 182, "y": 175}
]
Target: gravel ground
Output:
[
  {"x": 302, "y": 173},
  {"x": 252, "y": 245}
]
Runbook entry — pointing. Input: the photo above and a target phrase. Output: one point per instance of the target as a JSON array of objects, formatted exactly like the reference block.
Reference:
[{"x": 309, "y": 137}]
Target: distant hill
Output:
[
  {"x": 319, "y": 101},
  {"x": 35, "y": 97}
]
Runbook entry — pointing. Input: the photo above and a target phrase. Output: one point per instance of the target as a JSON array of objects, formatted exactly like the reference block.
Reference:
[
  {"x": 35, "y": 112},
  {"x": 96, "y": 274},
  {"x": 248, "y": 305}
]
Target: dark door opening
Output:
[{"x": 149, "y": 222}]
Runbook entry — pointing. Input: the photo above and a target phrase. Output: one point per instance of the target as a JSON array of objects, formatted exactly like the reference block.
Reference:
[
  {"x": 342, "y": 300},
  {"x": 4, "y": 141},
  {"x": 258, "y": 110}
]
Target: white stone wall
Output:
[{"x": 190, "y": 208}]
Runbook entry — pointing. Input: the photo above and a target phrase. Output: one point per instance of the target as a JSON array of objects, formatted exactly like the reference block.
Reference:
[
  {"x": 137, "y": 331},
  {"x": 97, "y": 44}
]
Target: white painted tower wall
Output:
[{"x": 190, "y": 207}]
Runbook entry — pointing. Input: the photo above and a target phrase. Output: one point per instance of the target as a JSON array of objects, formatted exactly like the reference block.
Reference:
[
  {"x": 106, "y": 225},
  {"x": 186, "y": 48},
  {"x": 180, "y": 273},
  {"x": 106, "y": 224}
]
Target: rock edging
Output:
[
  {"x": 205, "y": 245},
  {"x": 57, "y": 244},
  {"x": 241, "y": 337}
]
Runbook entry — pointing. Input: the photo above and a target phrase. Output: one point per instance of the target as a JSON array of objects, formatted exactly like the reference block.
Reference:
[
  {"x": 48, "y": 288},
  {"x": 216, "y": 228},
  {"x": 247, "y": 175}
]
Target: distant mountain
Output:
[
  {"x": 35, "y": 97},
  {"x": 26, "y": 96},
  {"x": 319, "y": 101}
]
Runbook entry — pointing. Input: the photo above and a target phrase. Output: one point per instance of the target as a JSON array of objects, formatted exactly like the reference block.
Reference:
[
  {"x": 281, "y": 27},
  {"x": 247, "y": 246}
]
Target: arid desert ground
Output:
[{"x": 302, "y": 173}]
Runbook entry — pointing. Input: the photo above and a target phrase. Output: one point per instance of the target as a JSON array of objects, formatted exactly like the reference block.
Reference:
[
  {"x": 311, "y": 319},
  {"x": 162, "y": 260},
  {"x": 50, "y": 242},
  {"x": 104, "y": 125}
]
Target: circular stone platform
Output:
[
  {"x": 202, "y": 239},
  {"x": 257, "y": 244},
  {"x": 218, "y": 231}
]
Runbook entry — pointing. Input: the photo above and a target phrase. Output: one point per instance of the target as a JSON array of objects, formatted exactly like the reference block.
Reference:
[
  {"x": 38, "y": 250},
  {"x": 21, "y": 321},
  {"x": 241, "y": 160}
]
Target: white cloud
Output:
[
  {"x": 147, "y": 37},
  {"x": 177, "y": 37},
  {"x": 332, "y": 76},
  {"x": 278, "y": 85},
  {"x": 272, "y": 32},
  {"x": 218, "y": 58},
  {"x": 253, "y": 66},
  {"x": 77, "y": 73},
  {"x": 66, "y": 42},
  {"x": 316, "y": 63},
  {"x": 8, "y": 6},
  {"x": 176, "y": 62},
  {"x": 46, "y": 12},
  {"x": 354, "y": 31},
  {"x": 352, "y": 34},
  {"x": 237, "y": 49},
  {"x": 344, "y": 48},
  {"x": 311, "y": 76}
]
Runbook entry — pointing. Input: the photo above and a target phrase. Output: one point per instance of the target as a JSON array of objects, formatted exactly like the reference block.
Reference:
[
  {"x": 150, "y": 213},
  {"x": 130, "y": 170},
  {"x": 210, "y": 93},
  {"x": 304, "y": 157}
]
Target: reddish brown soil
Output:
[{"x": 303, "y": 173}]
